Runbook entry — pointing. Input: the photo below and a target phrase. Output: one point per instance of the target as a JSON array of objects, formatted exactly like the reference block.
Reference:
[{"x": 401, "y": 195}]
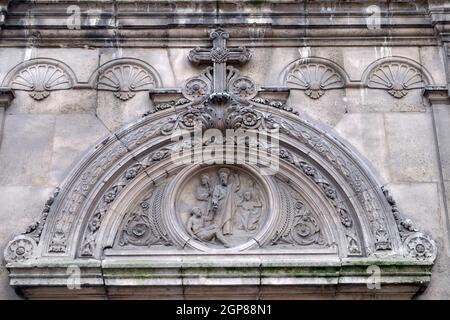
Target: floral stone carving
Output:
[{"x": 20, "y": 249}]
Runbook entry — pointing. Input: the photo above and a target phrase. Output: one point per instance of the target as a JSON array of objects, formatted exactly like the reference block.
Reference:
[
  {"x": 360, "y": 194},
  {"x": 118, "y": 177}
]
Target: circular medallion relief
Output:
[{"x": 220, "y": 207}]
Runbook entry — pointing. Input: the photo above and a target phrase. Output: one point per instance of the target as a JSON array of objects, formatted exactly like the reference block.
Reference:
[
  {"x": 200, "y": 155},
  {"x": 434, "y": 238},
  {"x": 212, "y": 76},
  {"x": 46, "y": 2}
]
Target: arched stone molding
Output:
[
  {"x": 396, "y": 75},
  {"x": 124, "y": 77},
  {"x": 134, "y": 212},
  {"x": 314, "y": 76},
  {"x": 358, "y": 220},
  {"x": 40, "y": 76}
]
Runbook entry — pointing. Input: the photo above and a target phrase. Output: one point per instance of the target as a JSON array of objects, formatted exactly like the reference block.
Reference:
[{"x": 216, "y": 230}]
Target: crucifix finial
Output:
[{"x": 219, "y": 55}]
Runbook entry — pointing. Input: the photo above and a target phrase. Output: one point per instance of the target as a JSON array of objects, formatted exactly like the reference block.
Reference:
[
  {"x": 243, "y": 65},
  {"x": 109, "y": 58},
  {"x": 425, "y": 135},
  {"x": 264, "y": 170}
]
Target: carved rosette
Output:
[
  {"x": 196, "y": 89},
  {"x": 313, "y": 78},
  {"x": 20, "y": 249},
  {"x": 420, "y": 247},
  {"x": 243, "y": 87},
  {"x": 125, "y": 80},
  {"x": 300, "y": 226},
  {"x": 396, "y": 78},
  {"x": 40, "y": 79}
]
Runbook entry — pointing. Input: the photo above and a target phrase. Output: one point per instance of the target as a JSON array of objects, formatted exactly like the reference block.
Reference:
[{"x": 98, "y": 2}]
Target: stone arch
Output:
[{"x": 322, "y": 190}]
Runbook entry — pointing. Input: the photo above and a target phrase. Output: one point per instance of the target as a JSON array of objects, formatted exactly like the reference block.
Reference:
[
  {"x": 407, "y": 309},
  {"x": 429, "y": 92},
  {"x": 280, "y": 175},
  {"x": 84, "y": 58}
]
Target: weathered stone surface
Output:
[
  {"x": 441, "y": 115},
  {"x": 26, "y": 149},
  {"x": 74, "y": 133},
  {"x": 366, "y": 132},
  {"x": 62, "y": 101},
  {"x": 114, "y": 113},
  {"x": 328, "y": 110},
  {"x": 421, "y": 201},
  {"x": 412, "y": 149},
  {"x": 83, "y": 61},
  {"x": 131, "y": 198}
]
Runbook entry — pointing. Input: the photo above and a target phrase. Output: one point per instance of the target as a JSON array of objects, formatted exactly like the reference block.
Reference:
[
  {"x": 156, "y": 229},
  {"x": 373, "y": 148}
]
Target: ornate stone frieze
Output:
[
  {"x": 275, "y": 104},
  {"x": 313, "y": 78},
  {"x": 353, "y": 245},
  {"x": 397, "y": 78},
  {"x": 94, "y": 224}
]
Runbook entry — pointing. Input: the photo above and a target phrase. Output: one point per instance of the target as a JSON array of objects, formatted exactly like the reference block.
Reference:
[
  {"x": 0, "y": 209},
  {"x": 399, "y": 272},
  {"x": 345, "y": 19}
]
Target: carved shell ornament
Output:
[
  {"x": 313, "y": 78},
  {"x": 40, "y": 79},
  {"x": 125, "y": 80},
  {"x": 397, "y": 78}
]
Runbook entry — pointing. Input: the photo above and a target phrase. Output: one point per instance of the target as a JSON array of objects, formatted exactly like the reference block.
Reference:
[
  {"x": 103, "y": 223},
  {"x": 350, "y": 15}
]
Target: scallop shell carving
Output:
[
  {"x": 125, "y": 80},
  {"x": 314, "y": 79},
  {"x": 40, "y": 79},
  {"x": 396, "y": 78}
]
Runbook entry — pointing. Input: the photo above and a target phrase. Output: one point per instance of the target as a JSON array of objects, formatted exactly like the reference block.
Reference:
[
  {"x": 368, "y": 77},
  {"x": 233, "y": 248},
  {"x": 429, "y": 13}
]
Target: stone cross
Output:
[{"x": 219, "y": 54}]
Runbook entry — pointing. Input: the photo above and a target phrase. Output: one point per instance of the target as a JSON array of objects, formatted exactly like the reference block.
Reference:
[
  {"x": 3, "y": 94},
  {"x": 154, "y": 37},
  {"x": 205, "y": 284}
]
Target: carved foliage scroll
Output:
[
  {"x": 143, "y": 226},
  {"x": 300, "y": 225}
]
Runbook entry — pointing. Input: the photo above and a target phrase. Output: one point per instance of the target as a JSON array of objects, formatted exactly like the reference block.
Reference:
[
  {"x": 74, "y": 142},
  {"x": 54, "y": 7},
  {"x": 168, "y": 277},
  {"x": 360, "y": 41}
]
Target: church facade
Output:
[{"x": 224, "y": 149}]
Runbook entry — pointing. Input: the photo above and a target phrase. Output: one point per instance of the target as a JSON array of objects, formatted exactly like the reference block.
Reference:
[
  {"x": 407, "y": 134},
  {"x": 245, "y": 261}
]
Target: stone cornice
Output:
[
  {"x": 281, "y": 23},
  {"x": 437, "y": 95},
  {"x": 115, "y": 276}
]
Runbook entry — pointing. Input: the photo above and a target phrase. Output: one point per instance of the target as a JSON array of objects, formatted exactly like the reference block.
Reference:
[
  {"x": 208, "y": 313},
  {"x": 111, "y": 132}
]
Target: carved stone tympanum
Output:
[{"x": 140, "y": 211}]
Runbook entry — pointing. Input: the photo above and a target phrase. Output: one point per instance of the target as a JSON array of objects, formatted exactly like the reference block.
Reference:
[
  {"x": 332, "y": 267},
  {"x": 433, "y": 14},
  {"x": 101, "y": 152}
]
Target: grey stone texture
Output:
[{"x": 406, "y": 141}]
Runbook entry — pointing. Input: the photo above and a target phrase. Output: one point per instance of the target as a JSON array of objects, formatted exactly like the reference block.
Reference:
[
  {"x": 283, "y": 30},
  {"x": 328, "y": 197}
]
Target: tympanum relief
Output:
[{"x": 226, "y": 208}]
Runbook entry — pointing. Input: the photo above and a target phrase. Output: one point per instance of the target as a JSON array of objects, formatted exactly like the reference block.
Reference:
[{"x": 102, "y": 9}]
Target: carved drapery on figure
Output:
[{"x": 128, "y": 198}]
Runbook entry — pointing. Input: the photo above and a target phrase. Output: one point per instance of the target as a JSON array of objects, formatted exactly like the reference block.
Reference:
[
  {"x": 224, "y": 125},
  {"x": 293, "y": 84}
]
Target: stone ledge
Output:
[{"x": 115, "y": 278}]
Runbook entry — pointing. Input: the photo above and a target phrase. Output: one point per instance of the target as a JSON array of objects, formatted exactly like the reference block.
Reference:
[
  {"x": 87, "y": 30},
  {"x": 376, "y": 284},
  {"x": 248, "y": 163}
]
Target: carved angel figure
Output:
[{"x": 249, "y": 212}]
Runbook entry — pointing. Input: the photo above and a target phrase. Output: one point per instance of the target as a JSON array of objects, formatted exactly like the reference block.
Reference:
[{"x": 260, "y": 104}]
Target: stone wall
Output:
[{"x": 405, "y": 140}]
